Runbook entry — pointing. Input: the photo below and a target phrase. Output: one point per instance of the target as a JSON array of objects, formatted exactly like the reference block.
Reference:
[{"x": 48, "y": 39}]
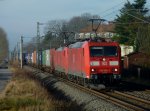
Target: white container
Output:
[{"x": 47, "y": 57}]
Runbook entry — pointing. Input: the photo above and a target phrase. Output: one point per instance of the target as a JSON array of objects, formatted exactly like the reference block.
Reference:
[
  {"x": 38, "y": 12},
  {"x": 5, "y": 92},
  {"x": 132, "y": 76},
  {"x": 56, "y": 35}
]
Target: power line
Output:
[
  {"x": 118, "y": 10},
  {"x": 130, "y": 23},
  {"x": 112, "y": 8},
  {"x": 138, "y": 9},
  {"x": 112, "y": 12},
  {"x": 137, "y": 18},
  {"x": 109, "y": 13},
  {"x": 129, "y": 15}
]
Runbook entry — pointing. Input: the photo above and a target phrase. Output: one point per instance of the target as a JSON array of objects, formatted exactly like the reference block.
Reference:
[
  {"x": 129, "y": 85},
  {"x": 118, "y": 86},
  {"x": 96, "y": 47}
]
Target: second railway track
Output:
[{"x": 139, "y": 102}]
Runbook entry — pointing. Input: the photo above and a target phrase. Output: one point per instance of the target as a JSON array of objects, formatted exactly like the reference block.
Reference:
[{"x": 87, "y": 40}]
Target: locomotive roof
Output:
[
  {"x": 80, "y": 44},
  {"x": 60, "y": 48},
  {"x": 76, "y": 45},
  {"x": 104, "y": 43}
]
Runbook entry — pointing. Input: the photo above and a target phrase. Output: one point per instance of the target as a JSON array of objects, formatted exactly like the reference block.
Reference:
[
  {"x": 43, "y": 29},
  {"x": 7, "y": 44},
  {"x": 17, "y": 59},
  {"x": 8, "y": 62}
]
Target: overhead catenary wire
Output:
[
  {"x": 143, "y": 21},
  {"x": 111, "y": 8},
  {"x": 116, "y": 6},
  {"x": 137, "y": 18},
  {"x": 129, "y": 23},
  {"x": 112, "y": 12},
  {"x": 138, "y": 9}
]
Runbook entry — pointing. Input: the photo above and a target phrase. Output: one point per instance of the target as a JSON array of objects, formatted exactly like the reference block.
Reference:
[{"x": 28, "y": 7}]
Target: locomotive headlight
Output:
[
  {"x": 94, "y": 63},
  {"x": 115, "y": 69},
  {"x": 92, "y": 70},
  {"x": 104, "y": 59},
  {"x": 87, "y": 76}
]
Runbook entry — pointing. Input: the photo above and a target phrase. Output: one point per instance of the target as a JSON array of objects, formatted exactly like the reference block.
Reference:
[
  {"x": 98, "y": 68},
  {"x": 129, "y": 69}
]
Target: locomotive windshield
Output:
[{"x": 103, "y": 51}]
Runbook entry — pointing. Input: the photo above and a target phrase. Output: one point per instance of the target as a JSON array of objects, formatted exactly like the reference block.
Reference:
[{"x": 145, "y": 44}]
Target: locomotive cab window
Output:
[
  {"x": 96, "y": 51},
  {"x": 103, "y": 51}
]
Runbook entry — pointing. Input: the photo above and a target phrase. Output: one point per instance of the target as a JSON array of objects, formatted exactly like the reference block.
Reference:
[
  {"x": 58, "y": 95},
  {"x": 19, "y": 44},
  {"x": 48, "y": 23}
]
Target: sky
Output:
[{"x": 19, "y": 17}]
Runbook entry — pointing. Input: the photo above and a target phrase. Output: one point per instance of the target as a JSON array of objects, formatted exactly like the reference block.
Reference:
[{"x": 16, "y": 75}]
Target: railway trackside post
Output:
[
  {"x": 21, "y": 50},
  {"x": 38, "y": 41}
]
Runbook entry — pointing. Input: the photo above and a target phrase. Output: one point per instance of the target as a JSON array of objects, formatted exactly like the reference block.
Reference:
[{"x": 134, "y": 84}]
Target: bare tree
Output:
[
  {"x": 53, "y": 34},
  {"x": 62, "y": 32},
  {"x": 54, "y": 26},
  {"x": 77, "y": 23}
]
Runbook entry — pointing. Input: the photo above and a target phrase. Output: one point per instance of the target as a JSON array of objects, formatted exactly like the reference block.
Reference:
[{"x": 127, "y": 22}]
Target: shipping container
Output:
[
  {"x": 44, "y": 58},
  {"x": 39, "y": 58},
  {"x": 29, "y": 58},
  {"x": 47, "y": 57},
  {"x": 34, "y": 57}
]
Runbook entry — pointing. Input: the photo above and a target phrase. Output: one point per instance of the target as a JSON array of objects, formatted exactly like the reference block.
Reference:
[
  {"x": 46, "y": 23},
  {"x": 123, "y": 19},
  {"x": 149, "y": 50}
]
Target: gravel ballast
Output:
[
  {"x": 140, "y": 94},
  {"x": 87, "y": 101}
]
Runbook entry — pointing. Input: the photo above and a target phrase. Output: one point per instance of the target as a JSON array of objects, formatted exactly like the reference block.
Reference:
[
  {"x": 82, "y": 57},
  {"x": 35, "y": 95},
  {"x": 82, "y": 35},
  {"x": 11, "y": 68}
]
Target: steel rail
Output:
[
  {"x": 133, "y": 97},
  {"x": 147, "y": 90},
  {"x": 105, "y": 97}
]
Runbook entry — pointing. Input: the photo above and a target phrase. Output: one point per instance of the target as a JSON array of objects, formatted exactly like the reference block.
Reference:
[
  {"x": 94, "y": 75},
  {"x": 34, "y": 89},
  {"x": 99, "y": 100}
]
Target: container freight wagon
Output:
[
  {"x": 39, "y": 58},
  {"x": 44, "y": 58},
  {"x": 47, "y": 58},
  {"x": 29, "y": 58},
  {"x": 34, "y": 58}
]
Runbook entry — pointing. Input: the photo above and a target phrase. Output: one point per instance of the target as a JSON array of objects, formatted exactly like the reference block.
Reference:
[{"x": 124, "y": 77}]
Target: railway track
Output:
[
  {"x": 147, "y": 91},
  {"x": 142, "y": 103},
  {"x": 109, "y": 96},
  {"x": 120, "y": 99}
]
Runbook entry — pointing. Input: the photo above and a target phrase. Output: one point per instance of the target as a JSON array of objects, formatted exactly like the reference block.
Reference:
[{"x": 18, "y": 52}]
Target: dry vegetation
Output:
[{"x": 23, "y": 93}]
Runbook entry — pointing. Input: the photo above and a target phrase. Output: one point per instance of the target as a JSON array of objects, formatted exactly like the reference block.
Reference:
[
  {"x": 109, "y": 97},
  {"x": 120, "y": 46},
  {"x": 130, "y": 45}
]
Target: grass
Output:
[{"x": 23, "y": 93}]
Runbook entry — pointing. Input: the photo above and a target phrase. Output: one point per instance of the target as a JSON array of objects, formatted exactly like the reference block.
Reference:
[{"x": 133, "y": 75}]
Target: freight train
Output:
[{"x": 86, "y": 62}]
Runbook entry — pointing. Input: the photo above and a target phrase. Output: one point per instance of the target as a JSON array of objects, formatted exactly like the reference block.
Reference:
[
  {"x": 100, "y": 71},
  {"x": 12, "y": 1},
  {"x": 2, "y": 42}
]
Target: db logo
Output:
[{"x": 104, "y": 63}]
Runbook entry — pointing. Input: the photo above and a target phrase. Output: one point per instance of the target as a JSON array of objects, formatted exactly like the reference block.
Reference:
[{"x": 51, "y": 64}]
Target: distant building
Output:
[
  {"x": 104, "y": 30},
  {"x": 125, "y": 50}
]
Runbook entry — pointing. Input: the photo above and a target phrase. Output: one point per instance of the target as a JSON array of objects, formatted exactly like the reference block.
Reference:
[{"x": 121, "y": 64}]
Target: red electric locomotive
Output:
[{"x": 102, "y": 61}]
